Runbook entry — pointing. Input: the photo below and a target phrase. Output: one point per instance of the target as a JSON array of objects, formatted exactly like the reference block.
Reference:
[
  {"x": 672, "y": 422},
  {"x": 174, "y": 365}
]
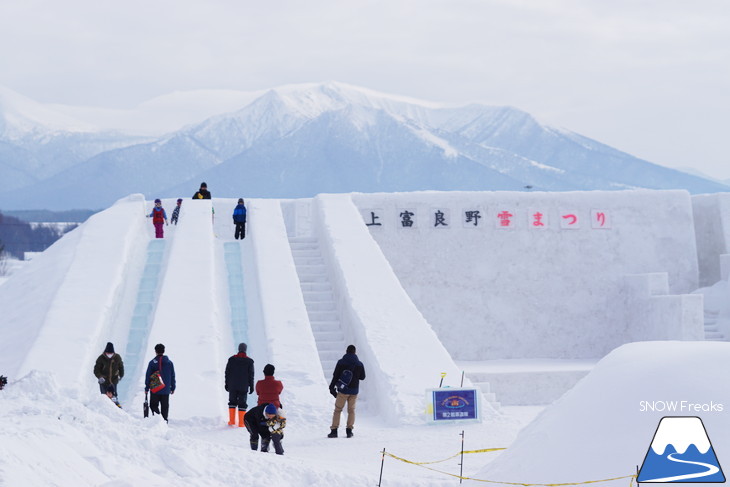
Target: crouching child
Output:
[{"x": 268, "y": 422}]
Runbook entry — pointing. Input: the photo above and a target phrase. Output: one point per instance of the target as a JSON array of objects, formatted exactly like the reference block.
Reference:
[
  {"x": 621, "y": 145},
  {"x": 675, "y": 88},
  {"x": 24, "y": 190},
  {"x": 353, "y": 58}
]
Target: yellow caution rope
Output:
[{"x": 423, "y": 465}]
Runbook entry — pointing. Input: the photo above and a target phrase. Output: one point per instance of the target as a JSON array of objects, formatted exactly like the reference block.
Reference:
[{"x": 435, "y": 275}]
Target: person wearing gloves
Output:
[
  {"x": 268, "y": 422},
  {"x": 109, "y": 369}
]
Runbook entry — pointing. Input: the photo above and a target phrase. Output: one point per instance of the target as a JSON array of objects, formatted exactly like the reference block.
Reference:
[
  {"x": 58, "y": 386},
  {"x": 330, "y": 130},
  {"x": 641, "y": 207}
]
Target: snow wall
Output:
[
  {"x": 712, "y": 231},
  {"x": 543, "y": 275}
]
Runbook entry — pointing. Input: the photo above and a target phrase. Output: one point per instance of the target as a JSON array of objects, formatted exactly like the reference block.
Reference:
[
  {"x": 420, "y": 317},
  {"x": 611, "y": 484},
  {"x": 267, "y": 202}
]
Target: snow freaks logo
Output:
[
  {"x": 681, "y": 452},
  {"x": 680, "y": 407}
]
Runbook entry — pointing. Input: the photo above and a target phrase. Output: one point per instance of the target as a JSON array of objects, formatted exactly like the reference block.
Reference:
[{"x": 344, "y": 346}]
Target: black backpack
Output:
[{"x": 344, "y": 380}]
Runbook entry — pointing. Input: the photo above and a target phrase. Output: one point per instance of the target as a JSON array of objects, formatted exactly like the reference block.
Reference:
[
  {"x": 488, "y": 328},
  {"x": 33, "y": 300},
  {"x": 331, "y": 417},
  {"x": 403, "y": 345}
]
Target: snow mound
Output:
[{"x": 603, "y": 427}]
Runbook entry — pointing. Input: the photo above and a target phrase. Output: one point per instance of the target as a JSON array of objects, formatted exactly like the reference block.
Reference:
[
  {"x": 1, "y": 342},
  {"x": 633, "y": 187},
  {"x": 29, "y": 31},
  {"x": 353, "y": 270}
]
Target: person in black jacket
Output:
[
  {"x": 268, "y": 422},
  {"x": 239, "y": 383},
  {"x": 346, "y": 393},
  {"x": 202, "y": 193}
]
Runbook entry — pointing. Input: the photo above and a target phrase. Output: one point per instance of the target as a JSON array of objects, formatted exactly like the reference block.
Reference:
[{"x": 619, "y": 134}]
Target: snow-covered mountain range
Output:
[{"x": 298, "y": 141}]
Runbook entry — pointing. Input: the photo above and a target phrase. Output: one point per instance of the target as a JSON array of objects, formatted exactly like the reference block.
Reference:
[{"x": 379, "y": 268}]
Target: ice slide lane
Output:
[
  {"x": 146, "y": 300},
  {"x": 236, "y": 291}
]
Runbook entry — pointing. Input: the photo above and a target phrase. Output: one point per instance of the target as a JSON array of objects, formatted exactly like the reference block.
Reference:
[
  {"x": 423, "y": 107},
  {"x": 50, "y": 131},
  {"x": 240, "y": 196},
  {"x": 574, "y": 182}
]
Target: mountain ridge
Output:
[{"x": 301, "y": 140}]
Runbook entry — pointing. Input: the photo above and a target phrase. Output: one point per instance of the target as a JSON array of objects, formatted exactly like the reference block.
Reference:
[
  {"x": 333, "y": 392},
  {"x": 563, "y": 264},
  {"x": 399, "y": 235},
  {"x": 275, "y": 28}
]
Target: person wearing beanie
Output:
[
  {"x": 268, "y": 389},
  {"x": 238, "y": 384},
  {"x": 239, "y": 219},
  {"x": 202, "y": 193},
  {"x": 109, "y": 369},
  {"x": 159, "y": 217},
  {"x": 268, "y": 422},
  {"x": 176, "y": 212},
  {"x": 345, "y": 386},
  {"x": 162, "y": 364}
]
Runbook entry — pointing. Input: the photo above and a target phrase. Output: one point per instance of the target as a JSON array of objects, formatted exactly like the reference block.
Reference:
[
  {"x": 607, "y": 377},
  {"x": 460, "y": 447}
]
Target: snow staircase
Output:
[
  {"x": 319, "y": 301},
  {"x": 712, "y": 331}
]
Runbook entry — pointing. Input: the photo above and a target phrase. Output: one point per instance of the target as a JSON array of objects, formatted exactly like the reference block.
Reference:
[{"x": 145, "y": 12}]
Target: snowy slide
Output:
[
  {"x": 187, "y": 320},
  {"x": 106, "y": 244}
]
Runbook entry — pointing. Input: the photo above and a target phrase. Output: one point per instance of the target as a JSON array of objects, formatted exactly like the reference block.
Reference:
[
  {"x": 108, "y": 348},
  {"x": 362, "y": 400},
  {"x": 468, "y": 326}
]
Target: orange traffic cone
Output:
[
  {"x": 231, "y": 416},
  {"x": 241, "y": 414}
]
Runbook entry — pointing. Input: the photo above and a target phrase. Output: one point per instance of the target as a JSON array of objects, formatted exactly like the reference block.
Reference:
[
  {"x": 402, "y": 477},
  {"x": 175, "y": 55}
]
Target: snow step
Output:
[
  {"x": 330, "y": 346},
  {"x": 321, "y": 306},
  {"x": 330, "y": 336},
  {"x": 314, "y": 261},
  {"x": 319, "y": 316},
  {"x": 316, "y": 287},
  {"x": 714, "y": 335},
  {"x": 318, "y": 296},
  {"x": 325, "y": 327},
  {"x": 306, "y": 253},
  {"x": 314, "y": 270},
  {"x": 320, "y": 278},
  {"x": 333, "y": 355}
]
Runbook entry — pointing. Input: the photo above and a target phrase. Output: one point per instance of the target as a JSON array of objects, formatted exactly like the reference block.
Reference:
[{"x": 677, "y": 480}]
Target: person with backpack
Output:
[
  {"x": 159, "y": 380},
  {"x": 239, "y": 383},
  {"x": 176, "y": 212},
  {"x": 239, "y": 219},
  {"x": 268, "y": 422},
  {"x": 345, "y": 386},
  {"x": 268, "y": 389},
  {"x": 109, "y": 369},
  {"x": 159, "y": 217}
]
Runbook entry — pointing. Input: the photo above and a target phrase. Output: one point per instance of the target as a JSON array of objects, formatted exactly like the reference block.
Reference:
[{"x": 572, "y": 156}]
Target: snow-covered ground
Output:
[{"x": 59, "y": 310}]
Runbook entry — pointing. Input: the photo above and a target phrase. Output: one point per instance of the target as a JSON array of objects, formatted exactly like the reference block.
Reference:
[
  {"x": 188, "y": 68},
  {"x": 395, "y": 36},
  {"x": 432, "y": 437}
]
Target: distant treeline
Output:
[
  {"x": 78, "y": 216},
  {"x": 18, "y": 237}
]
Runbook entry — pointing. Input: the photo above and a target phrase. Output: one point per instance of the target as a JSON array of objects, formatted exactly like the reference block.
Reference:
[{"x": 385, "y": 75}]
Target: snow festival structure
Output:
[{"x": 478, "y": 277}]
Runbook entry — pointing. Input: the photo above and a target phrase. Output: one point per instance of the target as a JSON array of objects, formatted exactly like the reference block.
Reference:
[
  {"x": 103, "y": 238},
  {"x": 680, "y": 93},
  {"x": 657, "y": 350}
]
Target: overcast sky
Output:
[{"x": 649, "y": 77}]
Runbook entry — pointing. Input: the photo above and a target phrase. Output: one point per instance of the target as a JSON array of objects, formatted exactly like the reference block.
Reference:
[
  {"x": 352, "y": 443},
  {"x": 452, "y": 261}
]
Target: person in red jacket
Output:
[{"x": 269, "y": 388}]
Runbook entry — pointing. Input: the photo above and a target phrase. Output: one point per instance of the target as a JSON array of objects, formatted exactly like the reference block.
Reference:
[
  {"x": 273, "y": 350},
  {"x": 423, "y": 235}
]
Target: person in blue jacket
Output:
[
  {"x": 166, "y": 368},
  {"x": 239, "y": 219}
]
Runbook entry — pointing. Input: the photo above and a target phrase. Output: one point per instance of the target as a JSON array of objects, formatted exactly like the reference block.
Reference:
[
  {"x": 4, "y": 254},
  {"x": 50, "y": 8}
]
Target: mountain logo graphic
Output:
[{"x": 681, "y": 452}]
